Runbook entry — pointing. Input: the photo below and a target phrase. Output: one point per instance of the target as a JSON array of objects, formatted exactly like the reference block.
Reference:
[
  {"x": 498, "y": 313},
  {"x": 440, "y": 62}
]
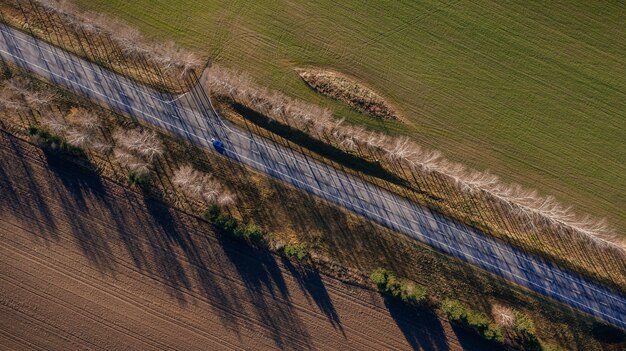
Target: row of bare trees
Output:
[
  {"x": 519, "y": 209},
  {"x": 105, "y": 39},
  {"x": 201, "y": 187},
  {"x": 136, "y": 150},
  {"x": 18, "y": 96},
  {"x": 79, "y": 127}
]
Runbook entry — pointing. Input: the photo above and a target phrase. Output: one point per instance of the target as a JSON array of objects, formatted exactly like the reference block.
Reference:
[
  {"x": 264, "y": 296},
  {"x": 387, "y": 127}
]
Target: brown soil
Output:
[{"x": 87, "y": 263}]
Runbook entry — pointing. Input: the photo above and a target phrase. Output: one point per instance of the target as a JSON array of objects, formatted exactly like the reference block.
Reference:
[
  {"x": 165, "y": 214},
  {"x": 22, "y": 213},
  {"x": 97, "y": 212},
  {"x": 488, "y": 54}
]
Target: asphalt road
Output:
[{"x": 200, "y": 125}]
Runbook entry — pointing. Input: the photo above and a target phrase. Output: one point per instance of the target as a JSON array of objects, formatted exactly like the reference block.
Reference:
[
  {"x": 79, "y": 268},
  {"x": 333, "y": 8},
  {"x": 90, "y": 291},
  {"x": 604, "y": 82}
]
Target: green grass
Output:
[{"x": 533, "y": 91}]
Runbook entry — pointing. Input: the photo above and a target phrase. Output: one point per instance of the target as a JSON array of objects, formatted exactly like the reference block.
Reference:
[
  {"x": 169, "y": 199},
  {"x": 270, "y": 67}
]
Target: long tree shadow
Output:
[
  {"x": 262, "y": 275},
  {"x": 469, "y": 340},
  {"x": 11, "y": 190},
  {"x": 164, "y": 237},
  {"x": 311, "y": 284},
  {"x": 420, "y": 338},
  {"x": 81, "y": 186}
]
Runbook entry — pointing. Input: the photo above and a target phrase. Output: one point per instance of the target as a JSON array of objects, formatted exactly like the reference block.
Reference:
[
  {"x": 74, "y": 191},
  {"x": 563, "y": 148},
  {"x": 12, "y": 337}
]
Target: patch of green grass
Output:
[{"x": 531, "y": 90}]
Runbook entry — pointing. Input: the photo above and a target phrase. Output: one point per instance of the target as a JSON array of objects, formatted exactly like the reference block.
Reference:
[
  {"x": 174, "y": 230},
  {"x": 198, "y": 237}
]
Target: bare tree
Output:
[
  {"x": 503, "y": 315},
  {"x": 201, "y": 186},
  {"x": 55, "y": 123},
  {"x": 85, "y": 118},
  {"x": 143, "y": 143},
  {"x": 135, "y": 164},
  {"x": 136, "y": 150},
  {"x": 35, "y": 99},
  {"x": 79, "y": 137}
]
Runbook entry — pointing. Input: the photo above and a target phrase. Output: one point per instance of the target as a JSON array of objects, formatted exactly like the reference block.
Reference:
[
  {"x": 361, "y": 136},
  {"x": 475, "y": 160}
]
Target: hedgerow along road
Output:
[{"x": 198, "y": 122}]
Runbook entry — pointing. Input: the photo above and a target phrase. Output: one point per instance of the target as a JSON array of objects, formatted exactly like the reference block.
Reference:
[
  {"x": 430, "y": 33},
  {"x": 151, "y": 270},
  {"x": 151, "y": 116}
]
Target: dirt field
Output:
[{"x": 88, "y": 264}]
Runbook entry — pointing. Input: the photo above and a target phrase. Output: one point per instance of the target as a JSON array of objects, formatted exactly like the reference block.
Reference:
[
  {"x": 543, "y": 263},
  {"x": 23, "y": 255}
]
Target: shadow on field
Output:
[
  {"x": 431, "y": 338},
  {"x": 243, "y": 284},
  {"x": 310, "y": 283},
  {"x": 12, "y": 197}
]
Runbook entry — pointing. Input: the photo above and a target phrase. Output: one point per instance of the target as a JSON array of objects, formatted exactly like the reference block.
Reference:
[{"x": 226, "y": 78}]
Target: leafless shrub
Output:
[
  {"x": 10, "y": 100},
  {"x": 79, "y": 137},
  {"x": 102, "y": 146},
  {"x": 133, "y": 163},
  {"x": 201, "y": 186},
  {"x": 84, "y": 118},
  {"x": 136, "y": 150},
  {"x": 226, "y": 199},
  {"x": 503, "y": 315},
  {"x": 20, "y": 96},
  {"x": 54, "y": 123},
  {"x": 142, "y": 143}
]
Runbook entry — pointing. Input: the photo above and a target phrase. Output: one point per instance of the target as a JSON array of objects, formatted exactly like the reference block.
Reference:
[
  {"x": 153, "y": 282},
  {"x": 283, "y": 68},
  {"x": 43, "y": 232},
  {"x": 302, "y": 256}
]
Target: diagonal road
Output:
[{"x": 199, "y": 124}]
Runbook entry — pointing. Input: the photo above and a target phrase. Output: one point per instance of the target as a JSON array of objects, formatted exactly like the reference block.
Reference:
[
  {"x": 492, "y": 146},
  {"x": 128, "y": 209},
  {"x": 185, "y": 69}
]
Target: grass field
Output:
[{"x": 533, "y": 91}]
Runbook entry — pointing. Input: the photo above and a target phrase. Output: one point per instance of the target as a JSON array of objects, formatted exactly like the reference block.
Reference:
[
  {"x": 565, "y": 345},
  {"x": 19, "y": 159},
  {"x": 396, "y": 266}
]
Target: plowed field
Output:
[{"x": 88, "y": 264}]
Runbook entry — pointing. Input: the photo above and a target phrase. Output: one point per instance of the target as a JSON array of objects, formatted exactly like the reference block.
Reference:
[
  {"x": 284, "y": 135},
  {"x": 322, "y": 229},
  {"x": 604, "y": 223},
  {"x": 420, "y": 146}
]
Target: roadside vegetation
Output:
[
  {"x": 250, "y": 207},
  {"x": 522, "y": 217},
  {"x": 491, "y": 85},
  {"x": 387, "y": 282},
  {"x": 171, "y": 167},
  {"x": 465, "y": 317},
  {"x": 114, "y": 44},
  {"x": 519, "y": 216}
]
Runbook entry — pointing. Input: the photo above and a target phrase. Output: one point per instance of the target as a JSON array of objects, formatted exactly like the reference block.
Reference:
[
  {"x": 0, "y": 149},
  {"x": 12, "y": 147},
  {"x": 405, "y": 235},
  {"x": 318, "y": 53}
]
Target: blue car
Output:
[{"x": 218, "y": 145}]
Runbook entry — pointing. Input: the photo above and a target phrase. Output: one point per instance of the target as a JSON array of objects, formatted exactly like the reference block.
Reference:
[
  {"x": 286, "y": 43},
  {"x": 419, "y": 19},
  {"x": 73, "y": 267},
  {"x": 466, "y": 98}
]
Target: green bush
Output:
[
  {"x": 250, "y": 232},
  {"x": 453, "y": 309},
  {"x": 230, "y": 225},
  {"x": 51, "y": 142},
  {"x": 297, "y": 251},
  {"x": 523, "y": 324},
  {"x": 379, "y": 277},
  {"x": 458, "y": 313},
  {"x": 212, "y": 213},
  {"x": 417, "y": 293},
  {"x": 138, "y": 180},
  {"x": 524, "y": 329},
  {"x": 388, "y": 283}
]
